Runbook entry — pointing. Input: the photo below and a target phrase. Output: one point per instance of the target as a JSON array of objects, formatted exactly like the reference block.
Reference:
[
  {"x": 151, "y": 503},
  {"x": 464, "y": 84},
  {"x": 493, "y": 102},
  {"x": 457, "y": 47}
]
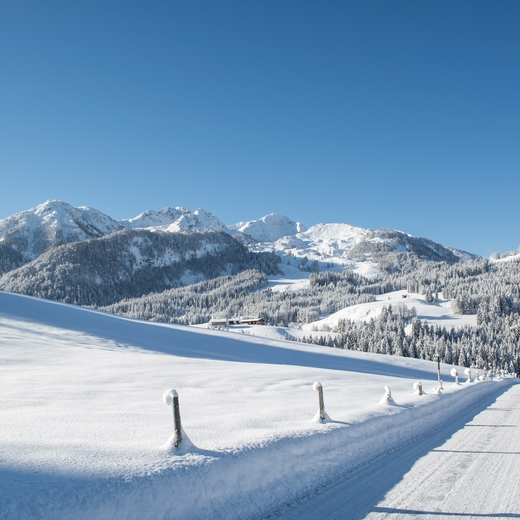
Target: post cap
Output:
[{"x": 169, "y": 395}]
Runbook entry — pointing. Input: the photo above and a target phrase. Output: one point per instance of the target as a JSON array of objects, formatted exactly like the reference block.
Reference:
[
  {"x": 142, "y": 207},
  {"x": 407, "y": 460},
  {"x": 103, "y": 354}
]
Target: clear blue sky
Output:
[{"x": 398, "y": 114}]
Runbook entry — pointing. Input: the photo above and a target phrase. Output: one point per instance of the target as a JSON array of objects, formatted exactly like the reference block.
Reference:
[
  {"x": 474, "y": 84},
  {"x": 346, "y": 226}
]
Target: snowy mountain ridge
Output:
[
  {"x": 30, "y": 233},
  {"x": 132, "y": 263},
  {"x": 174, "y": 220}
]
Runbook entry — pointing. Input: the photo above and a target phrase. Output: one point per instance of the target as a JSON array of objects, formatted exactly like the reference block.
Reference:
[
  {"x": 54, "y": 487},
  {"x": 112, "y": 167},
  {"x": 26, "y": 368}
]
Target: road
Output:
[{"x": 467, "y": 469}]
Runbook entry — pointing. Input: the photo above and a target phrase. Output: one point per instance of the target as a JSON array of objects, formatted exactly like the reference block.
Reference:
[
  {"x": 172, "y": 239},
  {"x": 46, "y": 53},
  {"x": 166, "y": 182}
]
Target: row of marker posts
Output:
[
  {"x": 171, "y": 397},
  {"x": 417, "y": 386}
]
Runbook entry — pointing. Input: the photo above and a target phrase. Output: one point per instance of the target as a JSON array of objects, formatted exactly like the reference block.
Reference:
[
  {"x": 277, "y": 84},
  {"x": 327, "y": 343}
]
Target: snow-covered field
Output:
[
  {"x": 435, "y": 313},
  {"x": 85, "y": 431}
]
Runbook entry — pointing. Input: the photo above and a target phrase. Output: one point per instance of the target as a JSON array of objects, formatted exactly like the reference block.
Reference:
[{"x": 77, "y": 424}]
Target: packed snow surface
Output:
[{"x": 86, "y": 434}]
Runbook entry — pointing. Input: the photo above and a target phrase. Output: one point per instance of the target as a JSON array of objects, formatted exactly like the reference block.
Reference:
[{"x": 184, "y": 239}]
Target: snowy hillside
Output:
[
  {"x": 340, "y": 246},
  {"x": 85, "y": 433},
  {"x": 506, "y": 258},
  {"x": 437, "y": 313},
  {"x": 132, "y": 263}
]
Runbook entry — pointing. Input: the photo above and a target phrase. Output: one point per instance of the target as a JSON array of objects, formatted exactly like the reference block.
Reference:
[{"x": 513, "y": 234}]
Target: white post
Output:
[
  {"x": 467, "y": 371},
  {"x": 417, "y": 386}
]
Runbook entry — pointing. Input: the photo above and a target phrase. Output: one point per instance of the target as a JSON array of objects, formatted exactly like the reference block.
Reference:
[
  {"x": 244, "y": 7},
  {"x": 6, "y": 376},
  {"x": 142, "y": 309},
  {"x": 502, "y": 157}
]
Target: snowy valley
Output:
[
  {"x": 380, "y": 291},
  {"x": 99, "y": 317}
]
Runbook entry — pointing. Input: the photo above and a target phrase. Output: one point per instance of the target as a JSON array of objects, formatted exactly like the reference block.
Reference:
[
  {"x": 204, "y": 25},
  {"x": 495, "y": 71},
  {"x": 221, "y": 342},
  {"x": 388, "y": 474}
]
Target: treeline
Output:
[
  {"x": 239, "y": 296},
  {"x": 148, "y": 275},
  {"x": 491, "y": 288}
]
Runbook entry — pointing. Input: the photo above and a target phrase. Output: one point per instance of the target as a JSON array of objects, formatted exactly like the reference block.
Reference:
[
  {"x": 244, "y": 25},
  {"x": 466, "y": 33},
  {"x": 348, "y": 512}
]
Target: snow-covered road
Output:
[{"x": 467, "y": 469}]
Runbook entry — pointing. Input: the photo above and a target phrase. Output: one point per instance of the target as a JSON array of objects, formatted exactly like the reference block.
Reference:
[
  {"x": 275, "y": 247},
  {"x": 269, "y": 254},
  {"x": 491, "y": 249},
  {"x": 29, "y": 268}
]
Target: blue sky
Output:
[{"x": 398, "y": 114}]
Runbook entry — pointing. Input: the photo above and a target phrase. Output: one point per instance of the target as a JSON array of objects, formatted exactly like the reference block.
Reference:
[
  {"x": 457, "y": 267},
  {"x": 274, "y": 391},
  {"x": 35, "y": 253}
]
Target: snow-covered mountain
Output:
[
  {"x": 34, "y": 231},
  {"x": 155, "y": 219},
  {"x": 199, "y": 220},
  {"x": 322, "y": 241},
  {"x": 269, "y": 228},
  {"x": 30, "y": 233},
  {"x": 340, "y": 246}
]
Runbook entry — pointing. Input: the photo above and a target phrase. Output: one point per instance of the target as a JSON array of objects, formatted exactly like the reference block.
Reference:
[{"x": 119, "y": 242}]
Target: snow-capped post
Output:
[
  {"x": 417, "y": 386},
  {"x": 387, "y": 398},
  {"x": 467, "y": 372},
  {"x": 455, "y": 373},
  {"x": 439, "y": 371},
  {"x": 318, "y": 388},
  {"x": 171, "y": 397}
]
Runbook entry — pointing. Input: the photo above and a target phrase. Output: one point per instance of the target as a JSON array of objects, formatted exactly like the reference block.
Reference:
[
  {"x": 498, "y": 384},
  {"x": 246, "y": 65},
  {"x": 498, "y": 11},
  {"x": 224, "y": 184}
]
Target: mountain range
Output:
[
  {"x": 32, "y": 232},
  {"x": 82, "y": 255}
]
